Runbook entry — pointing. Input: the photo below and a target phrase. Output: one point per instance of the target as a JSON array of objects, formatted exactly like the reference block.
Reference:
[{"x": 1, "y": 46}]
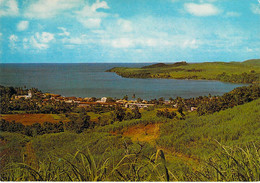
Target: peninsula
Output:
[{"x": 235, "y": 72}]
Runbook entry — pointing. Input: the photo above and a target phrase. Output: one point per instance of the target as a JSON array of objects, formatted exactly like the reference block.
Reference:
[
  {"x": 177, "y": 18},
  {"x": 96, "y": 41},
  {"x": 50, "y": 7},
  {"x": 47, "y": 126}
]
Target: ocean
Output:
[{"x": 91, "y": 80}]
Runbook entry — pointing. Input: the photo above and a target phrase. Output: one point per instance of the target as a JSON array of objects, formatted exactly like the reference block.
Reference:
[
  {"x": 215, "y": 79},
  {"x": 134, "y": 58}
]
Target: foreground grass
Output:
[{"x": 232, "y": 164}]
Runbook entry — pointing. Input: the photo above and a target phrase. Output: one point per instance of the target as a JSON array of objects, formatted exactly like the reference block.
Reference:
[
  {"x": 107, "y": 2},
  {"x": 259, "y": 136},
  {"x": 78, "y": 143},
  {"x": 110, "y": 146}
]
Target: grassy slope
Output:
[
  {"x": 196, "y": 136},
  {"x": 183, "y": 141},
  {"x": 207, "y": 70},
  {"x": 193, "y": 136}
]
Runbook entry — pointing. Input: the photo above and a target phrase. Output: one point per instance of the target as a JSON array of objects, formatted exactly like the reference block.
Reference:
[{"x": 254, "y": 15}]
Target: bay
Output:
[{"x": 91, "y": 80}]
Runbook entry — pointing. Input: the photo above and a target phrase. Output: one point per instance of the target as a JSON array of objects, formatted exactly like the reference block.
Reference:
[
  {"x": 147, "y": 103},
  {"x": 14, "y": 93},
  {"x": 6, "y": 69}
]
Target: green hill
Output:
[
  {"x": 195, "y": 136},
  {"x": 236, "y": 72},
  {"x": 255, "y": 62}
]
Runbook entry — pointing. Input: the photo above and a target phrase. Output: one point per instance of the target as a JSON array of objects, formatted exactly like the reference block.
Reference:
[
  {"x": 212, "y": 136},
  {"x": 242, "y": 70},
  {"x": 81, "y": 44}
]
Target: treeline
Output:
[
  {"x": 240, "y": 78},
  {"x": 238, "y": 96},
  {"x": 210, "y": 104},
  {"x": 134, "y": 75},
  {"x": 252, "y": 77},
  {"x": 77, "y": 123},
  {"x": 31, "y": 130},
  {"x": 6, "y": 94},
  {"x": 171, "y": 115},
  {"x": 119, "y": 114},
  {"x": 37, "y": 106},
  {"x": 34, "y": 105}
]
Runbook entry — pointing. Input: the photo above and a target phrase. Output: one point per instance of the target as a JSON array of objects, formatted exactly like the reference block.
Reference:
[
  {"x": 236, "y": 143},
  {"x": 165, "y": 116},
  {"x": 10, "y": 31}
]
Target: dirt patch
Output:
[
  {"x": 143, "y": 133},
  {"x": 170, "y": 154},
  {"x": 29, "y": 155},
  {"x": 29, "y": 119}
]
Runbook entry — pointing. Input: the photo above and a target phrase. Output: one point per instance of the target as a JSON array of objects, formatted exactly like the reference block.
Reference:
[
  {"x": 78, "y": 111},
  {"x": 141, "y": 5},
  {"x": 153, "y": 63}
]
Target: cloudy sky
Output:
[{"x": 129, "y": 30}]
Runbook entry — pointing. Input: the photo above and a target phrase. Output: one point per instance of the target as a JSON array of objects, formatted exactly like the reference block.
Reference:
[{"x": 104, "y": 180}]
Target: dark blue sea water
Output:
[{"x": 91, "y": 80}]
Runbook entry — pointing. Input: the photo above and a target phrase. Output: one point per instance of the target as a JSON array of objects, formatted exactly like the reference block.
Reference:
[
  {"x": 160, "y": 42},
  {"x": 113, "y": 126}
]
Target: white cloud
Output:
[
  {"x": 49, "y": 8},
  {"x": 125, "y": 25},
  {"x": 90, "y": 22},
  {"x": 90, "y": 17},
  {"x": 25, "y": 43},
  {"x": 8, "y": 8},
  {"x": 201, "y": 9},
  {"x": 122, "y": 43},
  {"x": 13, "y": 39},
  {"x": 232, "y": 14},
  {"x": 207, "y": 1},
  {"x": 139, "y": 42},
  {"x": 249, "y": 49},
  {"x": 22, "y": 25},
  {"x": 64, "y": 32},
  {"x": 40, "y": 41},
  {"x": 80, "y": 40},
  {"x": 74, "y": 40},
  {"x": 255, "y": 8},
  {"x": 190, "y": 44}
]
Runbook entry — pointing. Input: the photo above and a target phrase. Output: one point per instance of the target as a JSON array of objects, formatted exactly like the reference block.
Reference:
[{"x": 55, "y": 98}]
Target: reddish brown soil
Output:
[
  {"x": 28, "y": 119},
  {"x": 30, "y": 157},
  {"x": 143, "y": 133}
]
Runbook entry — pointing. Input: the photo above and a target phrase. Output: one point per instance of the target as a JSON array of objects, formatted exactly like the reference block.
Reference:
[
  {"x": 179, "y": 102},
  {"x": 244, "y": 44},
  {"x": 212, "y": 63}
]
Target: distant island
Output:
[{"x": 235, "y": 72}]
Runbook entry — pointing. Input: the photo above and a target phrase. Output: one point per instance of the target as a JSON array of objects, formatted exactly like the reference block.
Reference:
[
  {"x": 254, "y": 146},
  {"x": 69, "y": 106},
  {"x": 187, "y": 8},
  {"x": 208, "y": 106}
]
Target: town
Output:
[{"x": 89, "y": 102}]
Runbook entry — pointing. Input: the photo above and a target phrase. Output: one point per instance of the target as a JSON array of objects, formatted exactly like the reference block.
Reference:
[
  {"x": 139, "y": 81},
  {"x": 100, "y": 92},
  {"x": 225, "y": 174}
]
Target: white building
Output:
[
  {"x": 25, "y": 96},
  {"x": 104, "y": 99}
]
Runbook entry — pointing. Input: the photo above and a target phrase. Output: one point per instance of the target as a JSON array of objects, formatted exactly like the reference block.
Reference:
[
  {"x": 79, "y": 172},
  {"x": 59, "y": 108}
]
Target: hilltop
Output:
[{"x": 236, "y": 72}]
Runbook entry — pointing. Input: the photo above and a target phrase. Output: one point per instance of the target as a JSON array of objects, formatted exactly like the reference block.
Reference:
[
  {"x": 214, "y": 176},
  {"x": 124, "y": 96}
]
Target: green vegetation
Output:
[
  {"x": 218, "y": 142},
  {"x": 236, "y": 97},
  {"x": 236, "y": 72},
  {"x": 194, "y": 136},
  {"x": 34, "y": 105}
]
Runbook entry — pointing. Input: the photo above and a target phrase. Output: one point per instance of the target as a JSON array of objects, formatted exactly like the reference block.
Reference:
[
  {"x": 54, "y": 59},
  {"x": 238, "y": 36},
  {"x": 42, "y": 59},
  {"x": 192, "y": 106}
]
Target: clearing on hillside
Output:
[
  {"x": 143, "y": 133},
  {"x": 29, "y": 119}
]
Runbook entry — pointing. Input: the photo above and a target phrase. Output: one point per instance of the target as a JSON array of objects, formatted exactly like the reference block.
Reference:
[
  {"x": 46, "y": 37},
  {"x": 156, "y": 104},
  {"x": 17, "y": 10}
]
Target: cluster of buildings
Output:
[
  {"x": 84, "y": 102},
  {"x": 90, "y": 102}
]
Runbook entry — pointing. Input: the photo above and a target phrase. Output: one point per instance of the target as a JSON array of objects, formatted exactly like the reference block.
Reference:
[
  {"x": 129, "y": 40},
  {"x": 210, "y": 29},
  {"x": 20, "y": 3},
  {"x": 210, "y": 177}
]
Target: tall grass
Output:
[
  {"x": 232, "y": 164},
  {"x": 83, "y": 167}
]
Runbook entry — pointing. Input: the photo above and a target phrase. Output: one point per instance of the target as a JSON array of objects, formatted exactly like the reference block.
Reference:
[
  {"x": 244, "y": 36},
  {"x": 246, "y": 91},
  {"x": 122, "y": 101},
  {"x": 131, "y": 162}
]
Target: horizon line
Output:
[{"x": 118, "y": 62}]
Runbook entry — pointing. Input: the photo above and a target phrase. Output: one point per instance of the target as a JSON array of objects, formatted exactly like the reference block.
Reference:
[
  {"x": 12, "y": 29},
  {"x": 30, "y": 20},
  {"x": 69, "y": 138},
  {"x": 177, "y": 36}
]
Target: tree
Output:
[
  {"x": 78, "y": 123},
  {"x": 161, "y": 100},
  {"x": 171, "y": 99},
  {"x": 110, "y": 100},
  {"x": 137, "y": 114},
  {"x": 133, "y": 96},
  {"x": 118, "y": 114},
  {"x": 37, "y": 129},
  {"x": 125, "y": 97},
  {"x": 139, "y": 100},
  {"x": 128, "y": 116},
  {"x": 180, "y": 110}
]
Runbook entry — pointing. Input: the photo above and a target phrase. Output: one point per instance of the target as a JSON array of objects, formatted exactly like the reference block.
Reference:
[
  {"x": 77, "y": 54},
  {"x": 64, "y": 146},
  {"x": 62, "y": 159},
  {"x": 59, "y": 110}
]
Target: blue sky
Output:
[{"x": 68, "y": 31}]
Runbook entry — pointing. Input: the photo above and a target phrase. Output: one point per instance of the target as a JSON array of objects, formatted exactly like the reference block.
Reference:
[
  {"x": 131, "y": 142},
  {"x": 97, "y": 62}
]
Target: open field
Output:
[
  {"x": 143, "y": 133},
  {"x": 29, "y": 119},
  {"x": 233, "y": 71}
]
